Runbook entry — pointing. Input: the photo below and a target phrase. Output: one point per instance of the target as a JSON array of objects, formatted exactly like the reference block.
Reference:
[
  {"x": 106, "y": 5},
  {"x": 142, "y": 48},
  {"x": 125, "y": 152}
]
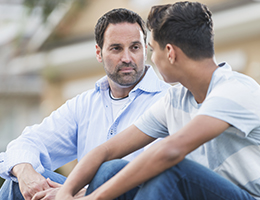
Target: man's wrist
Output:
[{"x": 20, "y": 168}]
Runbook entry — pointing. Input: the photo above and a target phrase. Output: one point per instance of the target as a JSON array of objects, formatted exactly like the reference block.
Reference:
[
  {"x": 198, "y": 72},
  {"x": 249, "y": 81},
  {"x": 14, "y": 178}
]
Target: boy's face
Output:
[
  {"x": 160, "y": 59},
  {"x": 123, "y": 53}
]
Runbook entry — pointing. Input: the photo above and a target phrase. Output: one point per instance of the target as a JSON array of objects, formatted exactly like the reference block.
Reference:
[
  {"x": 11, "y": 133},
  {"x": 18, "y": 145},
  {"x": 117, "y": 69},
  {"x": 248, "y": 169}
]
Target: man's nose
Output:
[{"x": 126, "y": 57}]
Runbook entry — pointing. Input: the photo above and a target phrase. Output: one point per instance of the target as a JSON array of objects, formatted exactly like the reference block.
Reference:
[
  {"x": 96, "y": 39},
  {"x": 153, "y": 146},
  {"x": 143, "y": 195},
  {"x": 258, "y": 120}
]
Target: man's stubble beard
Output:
[{"x": 126, "y": 79}]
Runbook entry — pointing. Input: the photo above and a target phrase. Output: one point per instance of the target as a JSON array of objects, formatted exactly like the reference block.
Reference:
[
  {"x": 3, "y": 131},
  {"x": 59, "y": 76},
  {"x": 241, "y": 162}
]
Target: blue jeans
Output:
[
  {"x": 185, "y": 181},
  {"x": 105, "y": 172},
  {"x": 10, "y": 190}
]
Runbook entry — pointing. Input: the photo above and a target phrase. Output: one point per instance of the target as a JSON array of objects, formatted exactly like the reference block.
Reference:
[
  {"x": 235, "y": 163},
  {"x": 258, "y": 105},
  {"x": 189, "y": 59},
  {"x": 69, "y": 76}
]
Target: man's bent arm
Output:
[
  {"x": 126, "y": 142},
  {"x": 161, "y": 156}
]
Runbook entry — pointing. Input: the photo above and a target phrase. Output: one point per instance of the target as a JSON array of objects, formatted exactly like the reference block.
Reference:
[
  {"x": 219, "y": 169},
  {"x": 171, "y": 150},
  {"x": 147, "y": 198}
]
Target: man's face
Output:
[{"x": 123, "y": 53}]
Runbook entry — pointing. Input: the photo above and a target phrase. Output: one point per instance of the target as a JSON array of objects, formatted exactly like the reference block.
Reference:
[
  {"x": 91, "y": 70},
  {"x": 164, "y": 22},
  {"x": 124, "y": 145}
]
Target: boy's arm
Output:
[
  {"x": 119, "y": 146},
  {"x": 161, "y": 156}
]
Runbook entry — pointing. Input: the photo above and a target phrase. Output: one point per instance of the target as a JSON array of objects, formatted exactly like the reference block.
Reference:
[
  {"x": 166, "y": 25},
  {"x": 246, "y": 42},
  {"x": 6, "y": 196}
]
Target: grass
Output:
[{"x": 1, "y": 181}]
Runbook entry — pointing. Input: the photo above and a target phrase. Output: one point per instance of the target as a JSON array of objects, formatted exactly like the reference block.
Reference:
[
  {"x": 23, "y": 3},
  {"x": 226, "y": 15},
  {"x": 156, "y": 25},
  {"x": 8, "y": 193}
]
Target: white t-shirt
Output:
[
  {"x": 118, "y": 104},
  {"x": 231, "y": 97}
]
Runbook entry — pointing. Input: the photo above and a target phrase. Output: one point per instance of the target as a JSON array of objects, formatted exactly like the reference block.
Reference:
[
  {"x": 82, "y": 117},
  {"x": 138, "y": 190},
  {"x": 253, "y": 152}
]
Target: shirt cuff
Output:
[{"x": 9, "y": 159}]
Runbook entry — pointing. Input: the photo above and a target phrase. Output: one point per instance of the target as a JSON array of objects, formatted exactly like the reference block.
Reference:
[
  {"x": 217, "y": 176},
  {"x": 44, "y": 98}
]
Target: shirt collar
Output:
[
  {"x": 224, "y": 66},
  {"x": 102, "y": 84},
  {"x": 218, "y": 75},
  {"x": 149, "y": 83}
]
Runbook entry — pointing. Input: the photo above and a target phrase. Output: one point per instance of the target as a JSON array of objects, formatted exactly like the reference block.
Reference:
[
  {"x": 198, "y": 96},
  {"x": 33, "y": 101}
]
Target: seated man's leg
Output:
[
  {"x": 58, "y": 178},
  {"x": 192, "y": 181},
  {"x": 10, "y": 190},
  {"x": 107, "y": 171}
]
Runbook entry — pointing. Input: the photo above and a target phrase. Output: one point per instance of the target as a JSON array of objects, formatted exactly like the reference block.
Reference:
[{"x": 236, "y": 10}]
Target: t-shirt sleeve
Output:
[
  {"x": 153, "y": 121},
  {"x": 235, "y": 103}
]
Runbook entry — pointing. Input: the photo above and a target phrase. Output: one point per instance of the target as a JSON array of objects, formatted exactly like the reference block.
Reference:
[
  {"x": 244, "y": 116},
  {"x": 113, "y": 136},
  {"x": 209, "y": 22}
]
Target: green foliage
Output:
[
  {"x": 48, "y": 6},
  {"x": 1, "y": 181}
]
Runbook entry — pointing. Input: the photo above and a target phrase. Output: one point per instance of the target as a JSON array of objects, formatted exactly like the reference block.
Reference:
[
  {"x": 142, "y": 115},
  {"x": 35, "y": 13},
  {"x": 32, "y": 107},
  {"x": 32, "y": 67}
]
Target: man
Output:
[
  {"x": 211, "y": 121},
  {"x": 89, "y": 119}
]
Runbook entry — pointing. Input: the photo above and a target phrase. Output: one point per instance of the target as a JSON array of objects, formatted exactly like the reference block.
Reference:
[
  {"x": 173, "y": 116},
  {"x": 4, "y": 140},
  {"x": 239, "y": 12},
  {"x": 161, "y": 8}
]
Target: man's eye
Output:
[
  {"x": 115, "y": 48},
  {"x": 135, "y": 47}
]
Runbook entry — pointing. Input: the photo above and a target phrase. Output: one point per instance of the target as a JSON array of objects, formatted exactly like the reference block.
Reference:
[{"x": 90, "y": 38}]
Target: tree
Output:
[{"x": 47, "y": 6}]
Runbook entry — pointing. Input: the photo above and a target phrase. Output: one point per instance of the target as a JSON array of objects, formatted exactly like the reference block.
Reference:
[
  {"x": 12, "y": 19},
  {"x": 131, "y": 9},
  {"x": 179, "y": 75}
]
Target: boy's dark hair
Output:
[
  {"x": 187, "y": 25},
  {"x": 116, "y": 16}
]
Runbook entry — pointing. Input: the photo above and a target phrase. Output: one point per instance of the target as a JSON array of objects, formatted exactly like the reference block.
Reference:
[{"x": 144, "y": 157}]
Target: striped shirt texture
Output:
[{"x": 231, "y": 97}]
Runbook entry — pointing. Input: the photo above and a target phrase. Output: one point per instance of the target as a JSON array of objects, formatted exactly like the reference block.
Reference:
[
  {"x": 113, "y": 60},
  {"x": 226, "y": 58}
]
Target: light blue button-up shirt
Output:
[{"x": 80, "y": 125}]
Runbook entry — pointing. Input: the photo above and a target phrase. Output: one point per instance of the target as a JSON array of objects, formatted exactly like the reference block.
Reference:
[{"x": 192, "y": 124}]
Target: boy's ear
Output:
[
  {"x": 171, "y": 54},
  {"x": 98, "y": 54}
]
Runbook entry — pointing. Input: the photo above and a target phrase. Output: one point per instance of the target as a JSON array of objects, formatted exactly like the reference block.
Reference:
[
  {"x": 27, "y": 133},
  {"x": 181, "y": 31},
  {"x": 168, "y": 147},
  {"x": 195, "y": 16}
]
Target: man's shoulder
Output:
[
  {"x": 90, "y": 96},
  {"x": 101, "y": 84}
]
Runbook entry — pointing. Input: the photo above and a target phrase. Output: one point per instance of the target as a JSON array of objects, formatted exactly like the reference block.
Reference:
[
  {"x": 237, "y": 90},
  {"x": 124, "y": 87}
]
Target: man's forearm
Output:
[{"x": 21, "y": 168}]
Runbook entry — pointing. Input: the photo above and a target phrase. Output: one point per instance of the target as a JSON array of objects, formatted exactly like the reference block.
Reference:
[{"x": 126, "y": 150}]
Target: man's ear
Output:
[
  {"x": 98, "y": 54},
  {"x": 171, "y": 53},
  {"x": 146, "y": 47}
]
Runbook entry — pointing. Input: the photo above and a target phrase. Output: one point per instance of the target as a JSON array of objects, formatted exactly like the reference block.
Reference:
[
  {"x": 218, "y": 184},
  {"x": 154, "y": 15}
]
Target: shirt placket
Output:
[{"x": 113, "y": 129}]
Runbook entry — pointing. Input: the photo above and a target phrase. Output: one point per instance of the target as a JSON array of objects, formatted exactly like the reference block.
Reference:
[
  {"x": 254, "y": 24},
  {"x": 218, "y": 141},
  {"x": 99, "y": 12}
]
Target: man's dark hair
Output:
[
  {"x": 116, "y": 16},
  {"x": 188, "y": 25}
]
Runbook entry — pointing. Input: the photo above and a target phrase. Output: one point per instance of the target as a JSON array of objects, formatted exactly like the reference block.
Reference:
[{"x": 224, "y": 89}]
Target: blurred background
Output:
[{"x": 47, "y": 53}]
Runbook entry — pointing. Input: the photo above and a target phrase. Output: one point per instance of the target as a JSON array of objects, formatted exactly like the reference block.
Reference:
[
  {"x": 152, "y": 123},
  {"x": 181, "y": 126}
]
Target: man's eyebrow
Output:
[
  {"x": 115, "y": 44},
  {"x": 118, "y": 44},
  {"x": 136, "y": 42},
  {"x": 149, "y": 44}
]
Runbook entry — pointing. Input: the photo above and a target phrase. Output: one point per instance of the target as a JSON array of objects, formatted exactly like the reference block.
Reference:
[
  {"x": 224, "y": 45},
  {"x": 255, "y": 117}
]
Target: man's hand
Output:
[
  {"x": 30, "y": 181},
  {"x": 62, "y": 196},
  {"x": 50, "y": 193}
]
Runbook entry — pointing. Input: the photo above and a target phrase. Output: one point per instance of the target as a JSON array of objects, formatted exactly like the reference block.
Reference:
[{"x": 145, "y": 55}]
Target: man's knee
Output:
[
  {"x": 113, "y": 166},
  {"x": 56, "y": 177},
  {"x": 106, "y": 171},
  {"x": 109, "y": 169}
]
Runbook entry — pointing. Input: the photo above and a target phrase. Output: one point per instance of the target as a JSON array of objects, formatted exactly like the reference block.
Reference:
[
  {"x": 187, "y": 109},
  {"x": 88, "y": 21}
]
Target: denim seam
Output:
[
  {"x": 174, "y": 189},
  {"x": 194, "y": 182},
  {"x": 220, "y": 196}
]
